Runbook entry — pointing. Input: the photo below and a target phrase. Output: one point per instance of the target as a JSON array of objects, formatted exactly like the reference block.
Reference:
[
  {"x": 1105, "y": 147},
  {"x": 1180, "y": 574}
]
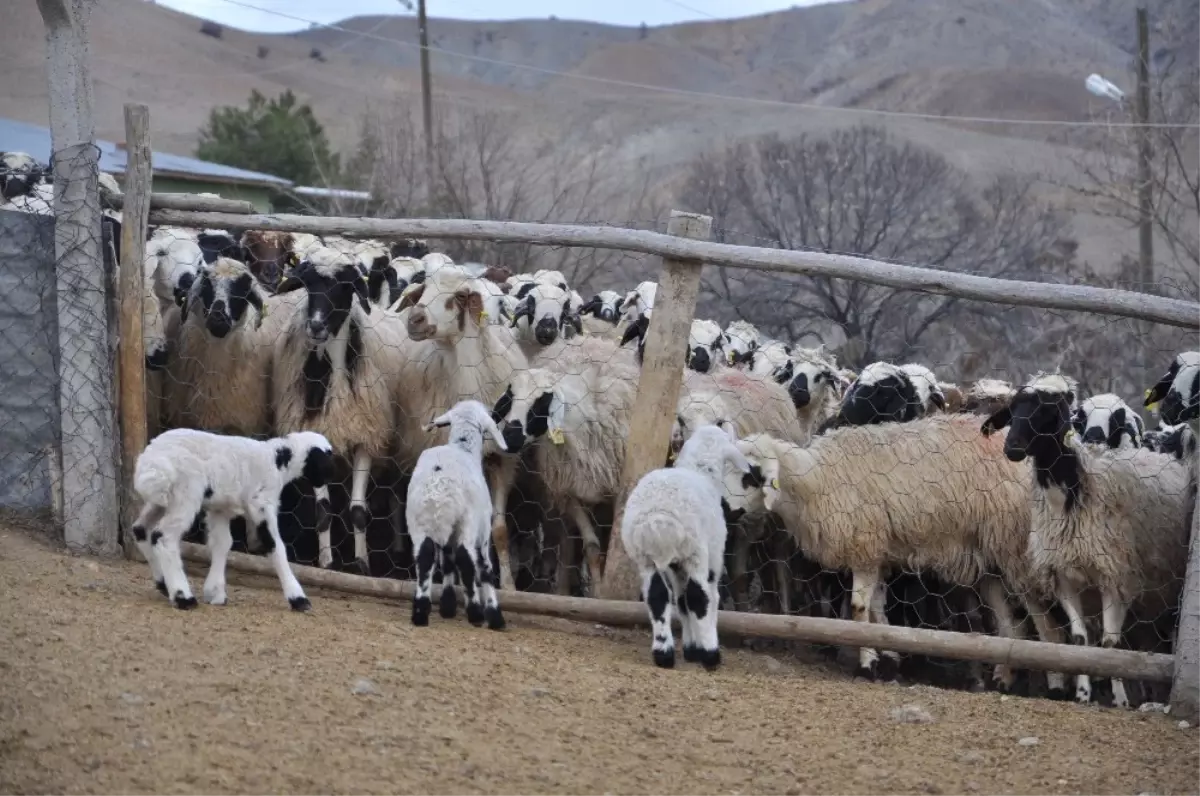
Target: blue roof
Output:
[{"x": 35, "y": 140}]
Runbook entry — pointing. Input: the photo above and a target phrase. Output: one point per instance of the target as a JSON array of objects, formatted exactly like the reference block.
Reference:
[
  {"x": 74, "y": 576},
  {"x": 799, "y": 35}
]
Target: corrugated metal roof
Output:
[
  {"x": 331, "y": 193},
  {"x": 31, "y": 138}
]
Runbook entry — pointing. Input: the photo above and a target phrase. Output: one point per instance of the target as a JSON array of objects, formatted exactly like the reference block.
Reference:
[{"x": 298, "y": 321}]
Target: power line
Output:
[{"x": 724, "y": 97}]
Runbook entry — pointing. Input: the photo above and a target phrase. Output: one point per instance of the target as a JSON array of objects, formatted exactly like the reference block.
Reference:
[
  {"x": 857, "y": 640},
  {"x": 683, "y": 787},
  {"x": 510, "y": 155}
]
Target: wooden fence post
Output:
[
  {"x": 85, "y": 373},
  {"x": 1185, "y": 685},
  {"x": 658, "y": 392},
  {"x": 131, "y": 353}
]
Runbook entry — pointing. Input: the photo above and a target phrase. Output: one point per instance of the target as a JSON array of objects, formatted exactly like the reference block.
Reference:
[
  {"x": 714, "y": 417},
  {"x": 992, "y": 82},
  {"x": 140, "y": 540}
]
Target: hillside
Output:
[{"x": 1021, "y": 59}]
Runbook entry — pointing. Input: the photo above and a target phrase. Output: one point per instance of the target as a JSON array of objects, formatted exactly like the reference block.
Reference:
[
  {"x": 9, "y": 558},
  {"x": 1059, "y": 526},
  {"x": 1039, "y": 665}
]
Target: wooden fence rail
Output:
[
  {"x": 1017, "y": 653},
  {"x": 1105, "y": 301}
]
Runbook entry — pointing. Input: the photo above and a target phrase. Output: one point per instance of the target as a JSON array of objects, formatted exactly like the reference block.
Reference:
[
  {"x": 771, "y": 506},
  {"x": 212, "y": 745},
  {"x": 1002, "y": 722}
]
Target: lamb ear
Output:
[
  {"x": 490, "y": 427},
  {"x": 410, "y": 297},
  {"x": 361, "y": 290},
  {"x": 593, "y": 306},
  {"x": 735, "y": 457},
  {"x": 938, "y": 400},
  {"x": 256, "y": 300},
  {"x": 996, "y": 422},
  {"x": 290, "y": 281},
  {"x": 557, "y": 413},
  {"x": 438, "y": 422}
]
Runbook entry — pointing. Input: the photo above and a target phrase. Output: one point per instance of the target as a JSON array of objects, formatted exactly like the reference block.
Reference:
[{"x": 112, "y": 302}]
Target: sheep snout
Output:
[
  {"x": 700, "y": 360},
  {"x": 218, "y": 322},
  {"x": 546, "y": 331}
]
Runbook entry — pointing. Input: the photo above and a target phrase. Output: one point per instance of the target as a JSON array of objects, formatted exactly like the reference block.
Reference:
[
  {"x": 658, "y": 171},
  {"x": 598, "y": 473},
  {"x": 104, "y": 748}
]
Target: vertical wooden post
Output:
[
  {"x": 89, "y": 447},
  {"x": 1185, "y": 685},
  {"x": 658, "y": 392},
  {"x": 131, "y": 354},
  {"x": 1145, "y": 180},
  {"x": 426, "y": 99}
]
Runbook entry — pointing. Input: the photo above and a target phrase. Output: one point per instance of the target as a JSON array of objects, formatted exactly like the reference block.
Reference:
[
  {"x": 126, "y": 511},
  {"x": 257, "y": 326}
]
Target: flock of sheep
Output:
[{"x": 861, "y": 486}]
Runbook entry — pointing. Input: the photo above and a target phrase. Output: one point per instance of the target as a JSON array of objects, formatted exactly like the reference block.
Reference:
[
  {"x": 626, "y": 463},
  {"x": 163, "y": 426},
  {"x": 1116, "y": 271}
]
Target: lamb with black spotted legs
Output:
[
  {"x": 674, "y": 531},
  {"x": 185, "y": 473},
  {"x": 449, "y": 508}
]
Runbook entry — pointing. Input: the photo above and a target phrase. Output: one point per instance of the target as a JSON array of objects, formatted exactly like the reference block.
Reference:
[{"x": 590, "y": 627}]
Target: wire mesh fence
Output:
[{"x": 902, "y": 469}]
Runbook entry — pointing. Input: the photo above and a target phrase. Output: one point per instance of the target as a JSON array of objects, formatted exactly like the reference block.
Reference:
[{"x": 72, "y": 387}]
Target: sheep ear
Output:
[
  {"x": 996, "y": 421},
  {"x": 592, "y": 306},
  {"x": 438, "y": 422},
  {"x": 557, "y": 414},
  {"x": 489, "y": 425},
  {"x": 938, "y": 400},
  {"x": 771, "y": 493},
  {"x": 256, "y": 300},
  {"x": 410, "y": 296},
  {"x": 739, "y": 461},
  {"x": 289, "y": 283},
  {"x": 361, "y": 290}
]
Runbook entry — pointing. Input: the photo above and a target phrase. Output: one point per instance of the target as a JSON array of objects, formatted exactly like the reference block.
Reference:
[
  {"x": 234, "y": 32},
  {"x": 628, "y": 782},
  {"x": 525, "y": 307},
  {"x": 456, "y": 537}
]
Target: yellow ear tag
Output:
[
  {"x": 730, "y": 355},
  {"x": 1154, "y": 406},
  {"x": 483, "y": 315},
  {"x": 1070, "y": 434},
  {"x": 266, "y": 310},
  {"x": 775, "y": 483},
  {"x": 556, "y": 436}
]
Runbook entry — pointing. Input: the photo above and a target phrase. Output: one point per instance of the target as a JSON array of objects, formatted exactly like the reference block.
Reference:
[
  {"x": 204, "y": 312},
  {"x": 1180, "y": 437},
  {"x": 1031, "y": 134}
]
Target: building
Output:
[{"x": 172, "y": 173}]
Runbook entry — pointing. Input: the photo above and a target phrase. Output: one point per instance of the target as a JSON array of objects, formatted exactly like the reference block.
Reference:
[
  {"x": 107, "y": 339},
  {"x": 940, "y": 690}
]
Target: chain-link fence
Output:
[{"x": 925, "y": 488}]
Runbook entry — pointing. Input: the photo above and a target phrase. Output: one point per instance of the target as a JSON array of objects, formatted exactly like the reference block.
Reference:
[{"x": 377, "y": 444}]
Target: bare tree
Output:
[{"x": 858, "y": 191}]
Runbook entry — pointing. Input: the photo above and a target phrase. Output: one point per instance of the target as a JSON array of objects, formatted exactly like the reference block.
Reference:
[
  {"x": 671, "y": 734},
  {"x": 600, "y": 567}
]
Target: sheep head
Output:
[
  {"x": 221, "y": 294},
  {"x": 447, "y": 305},
  {"x": 1178, "y": 390},
  {"x": 19, "y": 173},
  {"x": 533, "y": 406},
  {"x": 333, "y": 282}
]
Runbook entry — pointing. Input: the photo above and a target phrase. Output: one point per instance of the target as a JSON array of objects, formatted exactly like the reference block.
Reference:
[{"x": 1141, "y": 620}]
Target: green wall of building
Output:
[{"x": 259, "y": 196}]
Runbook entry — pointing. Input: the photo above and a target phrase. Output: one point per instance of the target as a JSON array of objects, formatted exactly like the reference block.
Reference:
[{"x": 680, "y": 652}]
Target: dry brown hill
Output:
[{"x": 1002, "y": 58}]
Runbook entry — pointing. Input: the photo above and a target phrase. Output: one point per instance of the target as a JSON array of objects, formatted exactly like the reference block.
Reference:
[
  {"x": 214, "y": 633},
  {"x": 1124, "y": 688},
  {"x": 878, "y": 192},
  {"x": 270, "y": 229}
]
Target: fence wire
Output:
[{"x": 873, "y": 495}]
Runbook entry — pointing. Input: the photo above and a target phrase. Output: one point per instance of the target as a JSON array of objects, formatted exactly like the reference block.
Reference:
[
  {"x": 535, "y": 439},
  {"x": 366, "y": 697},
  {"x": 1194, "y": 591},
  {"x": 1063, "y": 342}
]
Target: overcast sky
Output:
[{"x": 616, "y": 12}]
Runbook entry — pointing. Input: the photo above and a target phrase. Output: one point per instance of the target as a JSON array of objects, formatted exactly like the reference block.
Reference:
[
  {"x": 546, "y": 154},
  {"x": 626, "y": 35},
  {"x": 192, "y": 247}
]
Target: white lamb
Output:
[
  {"x": 449, "y": 508},
  {"x": 742, "y": 339},
  {"x": 639, "y": 302},
  {"x": 674, "y": 531},
  {"x": 183, "y": 472},
  {"x": 1178, "y": 390},
  {"x": 1107, "y": 420}
]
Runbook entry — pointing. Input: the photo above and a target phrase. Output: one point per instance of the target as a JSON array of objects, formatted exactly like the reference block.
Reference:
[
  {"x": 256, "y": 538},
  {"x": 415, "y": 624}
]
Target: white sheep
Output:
[
  {"x": 1117, "y": 520},
  {"x": 742, "y": 339},
  {"x": 885, "y": 392},
  {"x": 182, "y": 473},
  {"x": 674, "y": 531},
  {"x": 705, "y": 346},
  {"x": 931, "y": 494},
  {"x": 387, "y": 279},
  {"x": 1178, "y": 391},
  {"x": 639, "y": 302},
  {"x": 541, "y": 310},
  {"x": 461, "y": 356},
  {"x": 601, "y": 314},
  {"x": 1105, "y": 419},
  {"x": 449, "y": 509}
]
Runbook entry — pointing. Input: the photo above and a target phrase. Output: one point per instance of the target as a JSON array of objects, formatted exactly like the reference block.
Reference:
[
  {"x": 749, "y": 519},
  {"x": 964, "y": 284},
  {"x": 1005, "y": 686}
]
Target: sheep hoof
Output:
[
  {"x": 161, "y": 585},
  {"x": 976, "y": 687},
  {"x": 300, "y": 603},
  {"x": 495, "y": 620},
  {"x": 184, "y": 603},
  {"x": 475, "y": 614},
  {"x": 664, "y": 659},
  {"x": 420, "y": 612},
  {"x": 865, "y": 673},
  {"x": 887, "y": 669},
  {"x": 709, "y": 659},
  {"x": 1057, "y": 694},
  {"x": 364, "y": 567},
  {"x": 692, "y": 653},
  {"x": 448, "y": 604}
]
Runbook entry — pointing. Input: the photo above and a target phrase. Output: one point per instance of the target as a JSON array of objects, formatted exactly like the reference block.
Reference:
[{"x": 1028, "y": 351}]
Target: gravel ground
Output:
[{"x": 105, "y": 688}]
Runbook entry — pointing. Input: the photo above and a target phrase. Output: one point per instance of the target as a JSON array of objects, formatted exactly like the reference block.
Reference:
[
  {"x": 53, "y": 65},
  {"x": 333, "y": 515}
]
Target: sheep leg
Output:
[
  {"x": 698, "y": 612},
  {"x": 657, "y": 589},
  {"x": 220, "y": 542},
  {"x": 738, "y": 578},
  {"x": 150, "y": 516},
  {"x": 359, "y": 515},
  {"x": 1072, "y": 603},
  {"x": 324, "y": 547},
  {"x": 1113, "y": 614},
  {"x": 254, "y": 543},
  {"x": 781, "y": 554},
  {"x": 1047, "y": 631},
  {"x": 470, "y": 583},
  {"x": 485, "y": 581},
  {"x": 591, "y": 544},
  {"x": 448, "y": 604},
  {"x": 862, "y": 594},
  {"x": 165, "y": 544},
  {"x": 889, "y": 666},
  {"x": 992, "y": 590},
  {"x": 265, "y": 514},
  {"x": 566, "y": 561},
  {"x": 501, "y": 478},
  {"x": 426, "y": 552},
  {"x": 974, "y": 622}
]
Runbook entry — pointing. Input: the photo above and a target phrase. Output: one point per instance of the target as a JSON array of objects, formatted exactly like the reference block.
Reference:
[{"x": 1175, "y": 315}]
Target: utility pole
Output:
[
  {"x": 1145, "y": 181},
  {"x": 426, "y": 98}
]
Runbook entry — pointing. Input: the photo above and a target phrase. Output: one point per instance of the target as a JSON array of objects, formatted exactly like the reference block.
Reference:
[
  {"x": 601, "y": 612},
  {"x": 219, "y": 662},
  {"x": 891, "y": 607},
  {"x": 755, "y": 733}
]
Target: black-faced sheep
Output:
[
  {"x": 1117, "y": 520},
  {"x": 1106, "y": 420},
  {"x": 1178, "y": 390}
]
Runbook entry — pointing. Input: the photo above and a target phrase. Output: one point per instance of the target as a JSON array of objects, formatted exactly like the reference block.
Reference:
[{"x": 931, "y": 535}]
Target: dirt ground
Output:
[{"x": 106, "y": 688}]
